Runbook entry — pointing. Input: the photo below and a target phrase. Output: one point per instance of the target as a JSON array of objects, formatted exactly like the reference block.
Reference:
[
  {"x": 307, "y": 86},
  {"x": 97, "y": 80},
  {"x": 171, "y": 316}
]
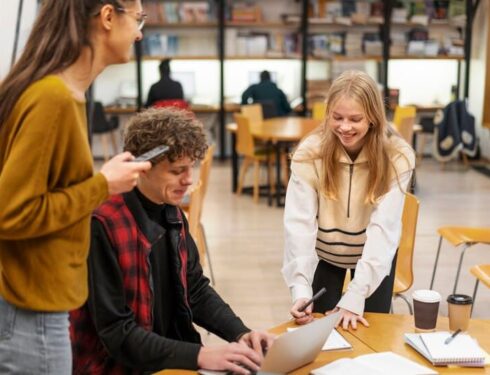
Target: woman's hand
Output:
[
  {"x": 348, "y": 318},
  {"x": 302, "y": 317}
]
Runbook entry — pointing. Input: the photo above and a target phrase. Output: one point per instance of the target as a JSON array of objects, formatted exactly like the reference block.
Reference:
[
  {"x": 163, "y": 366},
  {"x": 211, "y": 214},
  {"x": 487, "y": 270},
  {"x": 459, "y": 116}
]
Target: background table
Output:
[{"x": 280, "y": 132}]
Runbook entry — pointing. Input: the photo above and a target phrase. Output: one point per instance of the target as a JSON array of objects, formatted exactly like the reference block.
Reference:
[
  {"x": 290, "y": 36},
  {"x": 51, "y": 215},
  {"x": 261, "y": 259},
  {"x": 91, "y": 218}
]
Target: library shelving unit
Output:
[{"x": 305, "y": 31}]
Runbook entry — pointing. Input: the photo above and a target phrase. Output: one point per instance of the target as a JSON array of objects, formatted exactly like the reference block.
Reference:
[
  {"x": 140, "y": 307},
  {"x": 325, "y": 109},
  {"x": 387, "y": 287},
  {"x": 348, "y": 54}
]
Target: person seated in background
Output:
[
  {"x": 146, "y": 285},
  {"x": 267, "y": 91},
  {"x": 166, "y": 88}
]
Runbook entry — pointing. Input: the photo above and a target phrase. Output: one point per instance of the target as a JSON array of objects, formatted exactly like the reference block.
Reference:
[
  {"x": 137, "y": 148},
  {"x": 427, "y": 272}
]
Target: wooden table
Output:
[
  {"x": 280, "y": 132},
  {"x": 385, "y": 334}
]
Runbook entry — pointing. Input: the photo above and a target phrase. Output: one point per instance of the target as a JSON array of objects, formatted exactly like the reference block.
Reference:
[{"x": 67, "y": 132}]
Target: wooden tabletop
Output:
[
  {"x": 287, "y": 129},
  {"x": 384, "y": 334}
]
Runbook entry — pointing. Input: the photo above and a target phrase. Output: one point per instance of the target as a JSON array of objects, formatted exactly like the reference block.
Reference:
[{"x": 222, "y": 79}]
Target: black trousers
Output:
[{"x": 332, "y": 278}]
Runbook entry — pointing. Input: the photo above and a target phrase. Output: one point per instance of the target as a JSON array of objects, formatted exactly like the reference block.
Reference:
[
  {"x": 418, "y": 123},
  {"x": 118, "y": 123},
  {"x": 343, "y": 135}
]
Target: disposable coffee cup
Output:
[
  {"x": 459, "y": 308},
  {"x": 425, "y": 309}
]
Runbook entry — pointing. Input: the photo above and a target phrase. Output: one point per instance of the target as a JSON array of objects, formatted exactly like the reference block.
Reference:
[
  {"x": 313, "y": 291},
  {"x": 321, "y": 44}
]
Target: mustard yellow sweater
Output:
[{"x": 47, "y": 193}]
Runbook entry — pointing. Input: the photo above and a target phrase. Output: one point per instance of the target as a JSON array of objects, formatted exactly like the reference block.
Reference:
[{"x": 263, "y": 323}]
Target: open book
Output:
[
  {"x": 386, "y": 363},
  {"x": 463, "y": 350}
]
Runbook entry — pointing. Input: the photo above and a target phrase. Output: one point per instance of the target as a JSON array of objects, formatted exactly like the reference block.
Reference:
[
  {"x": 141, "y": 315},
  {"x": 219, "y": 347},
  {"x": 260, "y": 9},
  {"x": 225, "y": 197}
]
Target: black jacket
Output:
[
  {"x": 267, "y": 92},
  {"x": 126, "y": 342}
]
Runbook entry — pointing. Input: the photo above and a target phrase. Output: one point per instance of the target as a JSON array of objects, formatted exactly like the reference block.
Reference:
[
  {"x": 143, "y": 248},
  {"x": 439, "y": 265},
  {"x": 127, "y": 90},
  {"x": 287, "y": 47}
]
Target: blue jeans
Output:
[{"x": 33, "y": 342}]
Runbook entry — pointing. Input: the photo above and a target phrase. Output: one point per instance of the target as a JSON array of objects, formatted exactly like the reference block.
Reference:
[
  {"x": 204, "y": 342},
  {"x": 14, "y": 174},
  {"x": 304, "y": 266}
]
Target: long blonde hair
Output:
[{"x": 360, "y": 87}]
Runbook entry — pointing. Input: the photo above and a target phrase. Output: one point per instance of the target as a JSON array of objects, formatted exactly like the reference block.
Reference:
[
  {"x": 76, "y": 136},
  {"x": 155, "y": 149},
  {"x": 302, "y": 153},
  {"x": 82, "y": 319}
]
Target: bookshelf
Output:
[{"x": 230, "y": 32}]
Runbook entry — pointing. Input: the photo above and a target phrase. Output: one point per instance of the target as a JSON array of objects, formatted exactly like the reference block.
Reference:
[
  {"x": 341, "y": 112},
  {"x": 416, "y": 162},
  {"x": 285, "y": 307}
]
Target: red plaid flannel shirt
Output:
[{"x": 89, "y": 355}]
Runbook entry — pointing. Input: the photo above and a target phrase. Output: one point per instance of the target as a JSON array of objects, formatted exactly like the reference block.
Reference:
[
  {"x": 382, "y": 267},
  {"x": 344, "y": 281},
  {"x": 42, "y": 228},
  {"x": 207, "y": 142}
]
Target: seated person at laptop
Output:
[
  {"x": 146, "y": 285},
  {"x": 267, "y": 91},
  {"x": 166, "y": 88}
]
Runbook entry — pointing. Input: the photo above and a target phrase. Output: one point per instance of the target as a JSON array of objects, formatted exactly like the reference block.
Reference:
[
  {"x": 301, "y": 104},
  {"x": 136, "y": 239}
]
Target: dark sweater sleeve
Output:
[
  {"x": 248, "y": 93},
  {"x": 208, "y": 308},
  {"x": 126, "y": 341},
  {"x": 284, "y": 102},
  {"x": 151, "y": 97}
]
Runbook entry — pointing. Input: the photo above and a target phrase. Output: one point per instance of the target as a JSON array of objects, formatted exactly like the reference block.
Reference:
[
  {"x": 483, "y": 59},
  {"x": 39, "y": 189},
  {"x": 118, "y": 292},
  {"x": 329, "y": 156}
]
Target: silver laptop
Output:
[{"x": 295, "y": 349}]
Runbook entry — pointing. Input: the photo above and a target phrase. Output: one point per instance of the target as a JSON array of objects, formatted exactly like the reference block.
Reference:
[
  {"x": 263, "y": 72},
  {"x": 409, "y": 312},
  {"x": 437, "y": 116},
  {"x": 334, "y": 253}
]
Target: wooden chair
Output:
[
  {"x": 482, "y": 273},
  {"x": 466, "y": 236},
  {"x": 319, "y": 110},
  {"x": 404, "y": 263},
  {"x": 402, "y": 112},
  {"x": 245, "y": 146},
  {"x": 253, "y": 112},
  {"x": 199, "y": 234},
  {"x": 196, "y": 228},
  {"x": 404, "y": 121}
]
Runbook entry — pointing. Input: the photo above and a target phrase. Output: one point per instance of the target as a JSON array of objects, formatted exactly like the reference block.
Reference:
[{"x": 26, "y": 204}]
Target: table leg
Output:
[
  {"x": 234, "y": 164},
  {"x": 278, "y": 174}
]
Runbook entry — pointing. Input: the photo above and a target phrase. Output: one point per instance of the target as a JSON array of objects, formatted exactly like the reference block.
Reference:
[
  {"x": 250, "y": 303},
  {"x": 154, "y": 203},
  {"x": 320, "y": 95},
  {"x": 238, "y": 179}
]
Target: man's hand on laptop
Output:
[
  {"x": 302, "y": 317},
  {"x": 348, "y": 318},
  {"x": 259, "y": 341},
  {"x": 236, "y": 357}
]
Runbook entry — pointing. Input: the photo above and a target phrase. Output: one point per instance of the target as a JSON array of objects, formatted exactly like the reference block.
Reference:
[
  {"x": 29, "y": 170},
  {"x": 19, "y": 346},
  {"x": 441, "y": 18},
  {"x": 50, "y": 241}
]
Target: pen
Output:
[
  {"x": 450, "y": 338},
  {"x": 313, "y": 299}
]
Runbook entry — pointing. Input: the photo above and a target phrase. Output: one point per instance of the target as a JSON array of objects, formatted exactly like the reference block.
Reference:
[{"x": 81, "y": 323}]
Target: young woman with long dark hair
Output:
[{"x": 47, "y": 183}]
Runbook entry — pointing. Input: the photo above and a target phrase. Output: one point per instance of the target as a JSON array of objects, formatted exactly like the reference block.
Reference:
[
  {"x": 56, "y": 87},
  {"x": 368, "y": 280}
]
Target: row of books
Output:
[
  {"x": 269, "y": 44},
  {"x": 159, "y": 44},
  {"x": 190, "y": 12},
  {"x": 346, "y": 12},
  {"x": 351, "y": 44},
  {"x": 248, "y": 12},
  {"x": 419, "y": 42},
  {"x": 430, "y": 11}
]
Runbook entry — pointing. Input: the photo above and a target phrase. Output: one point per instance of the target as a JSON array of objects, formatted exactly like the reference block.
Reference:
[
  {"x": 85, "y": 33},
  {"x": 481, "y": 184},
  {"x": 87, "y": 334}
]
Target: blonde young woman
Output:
[
  {"x": 47, "y": 183},
  {"x": 344, "y": 205}
]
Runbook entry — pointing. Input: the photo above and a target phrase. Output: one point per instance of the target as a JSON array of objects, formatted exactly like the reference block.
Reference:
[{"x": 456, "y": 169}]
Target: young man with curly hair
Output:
[{"x": 146, "y": 284}]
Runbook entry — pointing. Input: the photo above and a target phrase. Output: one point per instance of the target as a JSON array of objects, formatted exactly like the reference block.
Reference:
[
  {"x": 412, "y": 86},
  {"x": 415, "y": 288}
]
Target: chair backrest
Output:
[
  {"x": 405, "y": 128},
  {"x": 319, "y": 110},
  {"x": 404, "y": 262},
  {"x": 402, "y": 112},
  {"x": 205, "y": 171},
  {"x": 194, "y": 213},
  {"x": 244, "y": 140},
  {"x": 253, "y": 112},
  {"x": 100, "y": 124}
]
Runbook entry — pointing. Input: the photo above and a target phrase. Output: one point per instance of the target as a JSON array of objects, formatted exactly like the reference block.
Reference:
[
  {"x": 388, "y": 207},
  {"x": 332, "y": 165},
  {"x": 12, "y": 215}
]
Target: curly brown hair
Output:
[{"x": 178, "y": 129}]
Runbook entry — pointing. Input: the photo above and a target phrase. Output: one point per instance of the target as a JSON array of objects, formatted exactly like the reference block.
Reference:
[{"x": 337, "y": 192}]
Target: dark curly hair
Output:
[{"x": 175, "y": 128}]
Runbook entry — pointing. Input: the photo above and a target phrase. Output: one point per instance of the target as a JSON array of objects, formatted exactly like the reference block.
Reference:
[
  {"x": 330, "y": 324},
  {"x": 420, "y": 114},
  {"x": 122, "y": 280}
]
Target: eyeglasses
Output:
[{"x": 140, "y": 17}]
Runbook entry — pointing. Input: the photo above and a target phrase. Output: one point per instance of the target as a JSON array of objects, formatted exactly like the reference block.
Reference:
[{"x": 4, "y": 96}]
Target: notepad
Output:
[
  {"x": 386, "y": 363},
  {"x": 463, "y": 350},
  {"x": 335, "y": 341}
]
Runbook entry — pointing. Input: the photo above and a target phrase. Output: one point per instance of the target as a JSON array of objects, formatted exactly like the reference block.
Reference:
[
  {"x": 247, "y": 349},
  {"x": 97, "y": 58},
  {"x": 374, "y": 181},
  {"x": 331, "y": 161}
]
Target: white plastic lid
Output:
[{"x": 426, "y": 295}]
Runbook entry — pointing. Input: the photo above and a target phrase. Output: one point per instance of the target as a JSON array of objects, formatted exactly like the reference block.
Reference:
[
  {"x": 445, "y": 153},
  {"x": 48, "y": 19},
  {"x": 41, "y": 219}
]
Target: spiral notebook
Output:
[{"x": 463, "y": 350}]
